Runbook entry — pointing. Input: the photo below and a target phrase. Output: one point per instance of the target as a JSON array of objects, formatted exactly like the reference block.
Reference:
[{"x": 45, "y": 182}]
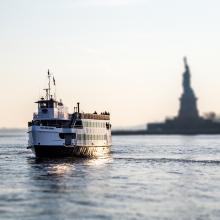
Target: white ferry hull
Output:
[
  {"x": 46, "y": 142},
  {"x": 43, "y": 151}
]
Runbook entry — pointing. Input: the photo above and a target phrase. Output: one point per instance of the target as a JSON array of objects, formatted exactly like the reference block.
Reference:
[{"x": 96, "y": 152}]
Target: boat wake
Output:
[{"x": 168, "y": 160}]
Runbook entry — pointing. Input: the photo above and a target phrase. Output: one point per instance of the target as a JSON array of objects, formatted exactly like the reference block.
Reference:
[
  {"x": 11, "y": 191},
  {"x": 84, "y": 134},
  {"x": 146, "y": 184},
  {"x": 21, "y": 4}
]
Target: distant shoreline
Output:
[
  {"x": 146, "y": 132},
  {"x": 12, "y": 129}
]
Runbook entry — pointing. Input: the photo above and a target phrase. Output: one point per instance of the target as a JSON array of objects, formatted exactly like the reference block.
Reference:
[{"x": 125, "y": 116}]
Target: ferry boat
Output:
[{"x": 54, "y": 132}]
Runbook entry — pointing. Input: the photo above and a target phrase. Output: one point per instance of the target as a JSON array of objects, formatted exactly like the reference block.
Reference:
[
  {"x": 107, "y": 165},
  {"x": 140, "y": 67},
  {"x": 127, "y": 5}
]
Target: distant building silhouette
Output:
[{"x": 188, "y": 120}]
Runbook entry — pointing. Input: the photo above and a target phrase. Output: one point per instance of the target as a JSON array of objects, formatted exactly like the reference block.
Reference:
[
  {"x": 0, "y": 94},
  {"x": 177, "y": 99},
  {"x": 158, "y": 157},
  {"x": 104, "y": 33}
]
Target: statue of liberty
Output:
[{"x": 188, "y": 106}]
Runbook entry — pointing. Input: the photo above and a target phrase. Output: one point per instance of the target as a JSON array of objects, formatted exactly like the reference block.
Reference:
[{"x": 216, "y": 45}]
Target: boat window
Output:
[
  {"x": 79, "y": 137},
  {"x": 78, "y": 123},
  {"x": 51, "y": 104},
  {"x": 67, "y": 135},
  {"x": 42, "y": 105}
]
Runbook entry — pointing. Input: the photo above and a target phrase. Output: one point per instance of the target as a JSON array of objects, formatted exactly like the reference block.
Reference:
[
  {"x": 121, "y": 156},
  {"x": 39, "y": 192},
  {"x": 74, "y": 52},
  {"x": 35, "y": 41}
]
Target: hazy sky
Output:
[{"x": 116, "y": 55}]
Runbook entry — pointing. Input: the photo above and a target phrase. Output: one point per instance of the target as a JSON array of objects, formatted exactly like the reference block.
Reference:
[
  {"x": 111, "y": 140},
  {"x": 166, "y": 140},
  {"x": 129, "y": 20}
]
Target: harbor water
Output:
[{"x": 145, "y": 177}]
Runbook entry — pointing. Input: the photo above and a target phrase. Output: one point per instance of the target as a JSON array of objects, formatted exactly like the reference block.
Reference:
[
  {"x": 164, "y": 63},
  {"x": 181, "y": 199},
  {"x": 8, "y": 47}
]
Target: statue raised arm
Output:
[{"x": 186, "y": 63}]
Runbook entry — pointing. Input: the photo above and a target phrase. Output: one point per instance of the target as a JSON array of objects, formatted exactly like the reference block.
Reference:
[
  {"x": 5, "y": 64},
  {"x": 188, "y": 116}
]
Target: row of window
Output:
[
  {"x": 94, "y": 124},
  {"x": 81, "y": 137}
]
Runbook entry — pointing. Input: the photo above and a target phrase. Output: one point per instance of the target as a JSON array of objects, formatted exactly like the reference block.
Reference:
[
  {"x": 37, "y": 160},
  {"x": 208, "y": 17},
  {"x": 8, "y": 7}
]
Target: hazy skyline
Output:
[{"x": 121, "y": 56}]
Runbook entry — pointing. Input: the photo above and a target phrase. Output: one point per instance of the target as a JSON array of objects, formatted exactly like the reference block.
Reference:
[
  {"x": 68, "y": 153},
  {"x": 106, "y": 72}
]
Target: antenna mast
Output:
[
  {"x": 49, "y": 75},
  {"x": 46, "y": 94},
  {"x": 55, "y": 88}
]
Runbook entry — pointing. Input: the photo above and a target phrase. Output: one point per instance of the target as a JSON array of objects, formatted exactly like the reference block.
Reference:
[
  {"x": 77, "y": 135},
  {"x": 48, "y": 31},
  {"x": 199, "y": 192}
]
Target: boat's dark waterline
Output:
[{"x": 64, "y": 151}]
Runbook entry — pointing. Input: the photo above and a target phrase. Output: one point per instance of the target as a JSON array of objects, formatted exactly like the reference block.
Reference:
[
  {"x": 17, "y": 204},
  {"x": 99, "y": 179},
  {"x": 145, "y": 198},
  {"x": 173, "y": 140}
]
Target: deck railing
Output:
[{"x": 94, "y": 116}]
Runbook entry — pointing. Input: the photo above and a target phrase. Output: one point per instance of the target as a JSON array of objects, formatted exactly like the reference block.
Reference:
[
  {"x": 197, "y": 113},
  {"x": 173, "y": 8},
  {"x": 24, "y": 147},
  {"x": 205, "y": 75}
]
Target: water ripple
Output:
[{"x": 145, "y": 177}]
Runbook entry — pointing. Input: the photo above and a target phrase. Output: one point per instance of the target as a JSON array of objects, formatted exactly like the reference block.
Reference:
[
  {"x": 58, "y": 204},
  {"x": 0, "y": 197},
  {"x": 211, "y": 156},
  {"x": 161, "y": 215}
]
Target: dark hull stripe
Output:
[{"x": 63, "y": 151}]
